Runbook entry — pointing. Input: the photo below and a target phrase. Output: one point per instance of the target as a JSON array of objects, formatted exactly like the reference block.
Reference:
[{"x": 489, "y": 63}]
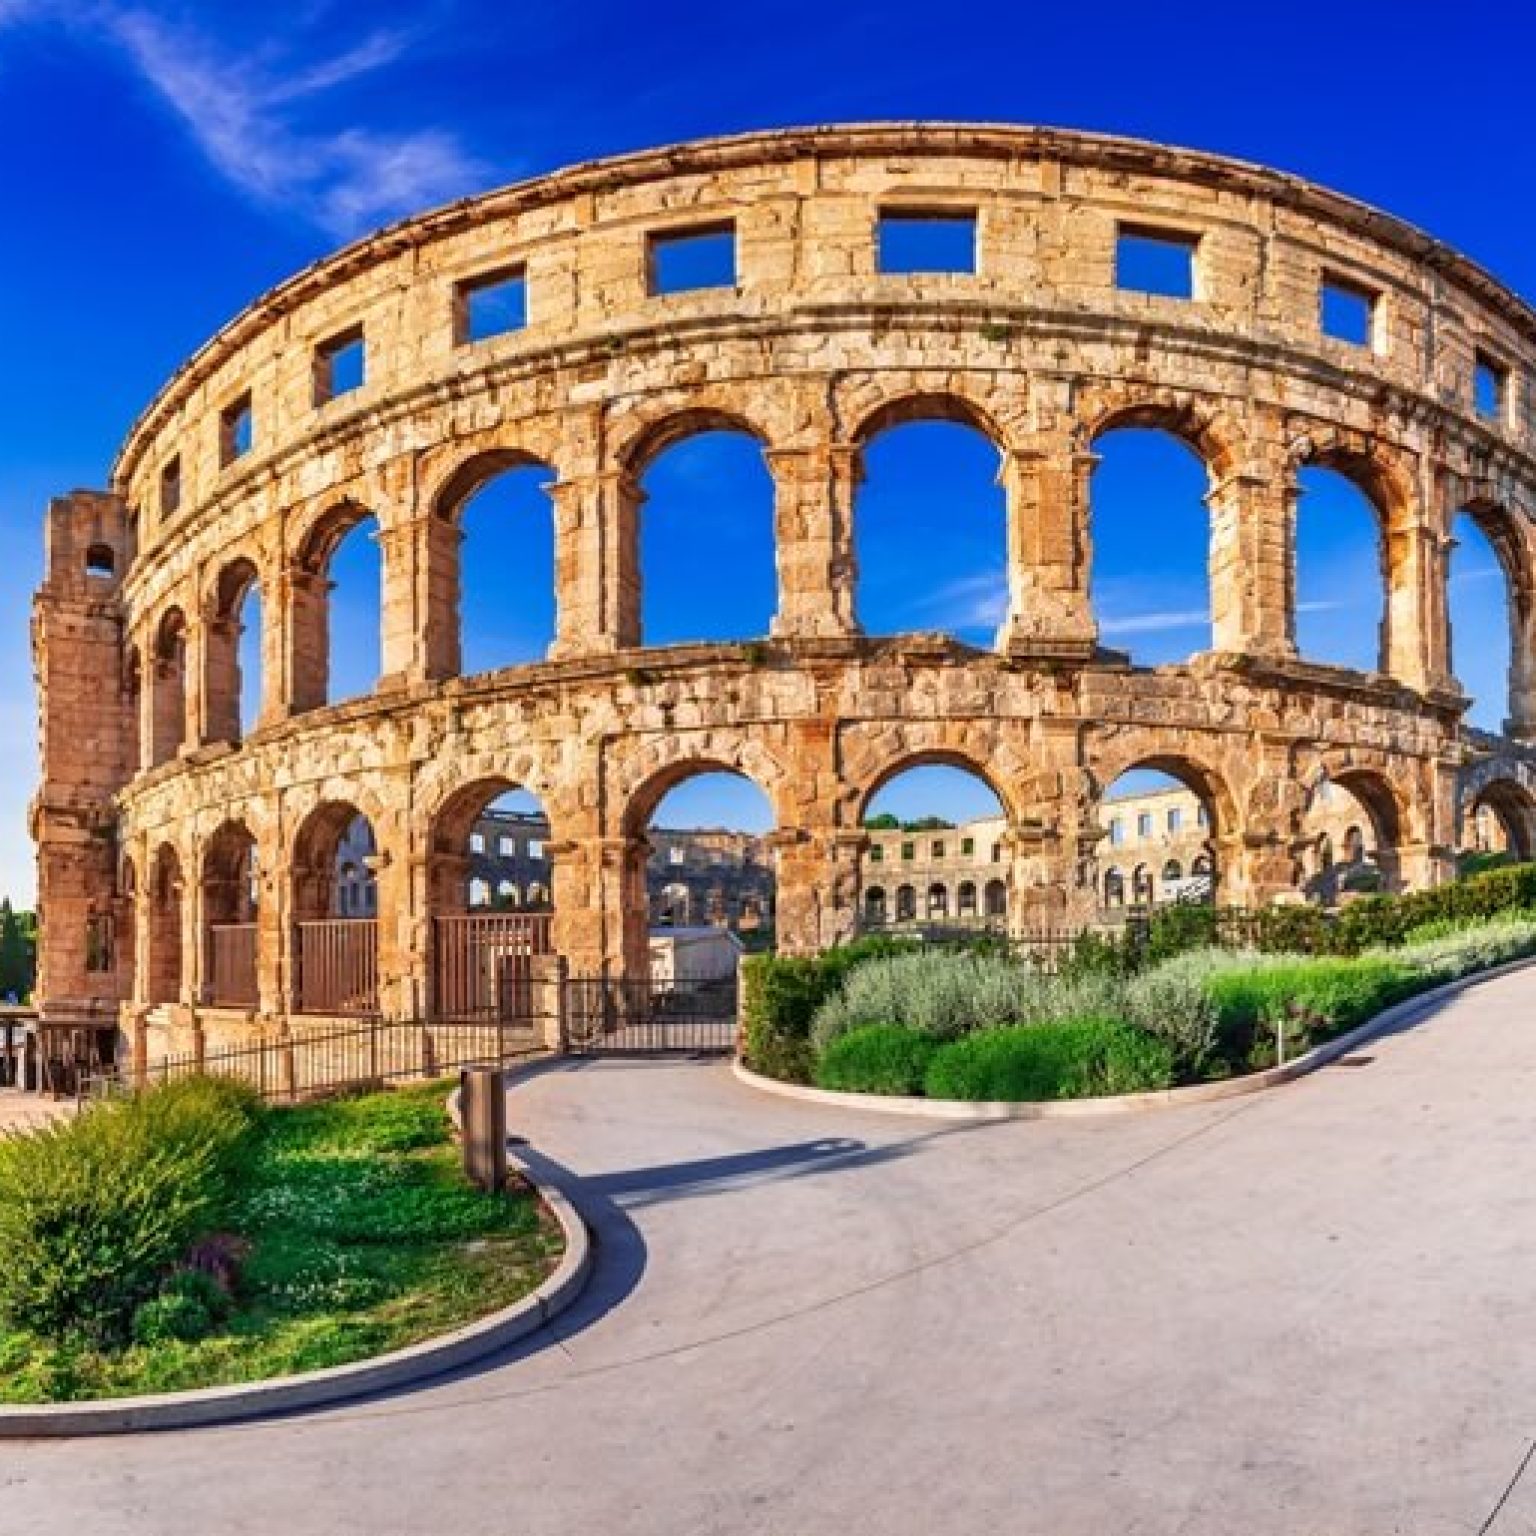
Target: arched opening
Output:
[
  {"x": 163, "y": 982},
  {"x": 930, "y": 524},
  {"x": 491, "y": 871},
  {"x": 497, "y": 526},
  {"x": 1151, "y": 591},
  {"x": 229, "y": 917},
  {"x": 939, "y": 828},
  {"x": 1487, "y": 600},
  {"x": 168, "y": 704},
  {"x": 101, "y": 562},
  {"x": 1498, "y": 826},
  {"x": 233, "y": 654},
  {"x": 1160, "y": 818},
  {"x": 335, "y": 864},
  {"x": 709, "y": 867},
  {"x": 705, "y": 509},
  {"x": 874, "y": 906},
  {"x": 1350, "y": 830},
  {"x": 1341, "y": 572},
  {"x": 338, "y": 610}
]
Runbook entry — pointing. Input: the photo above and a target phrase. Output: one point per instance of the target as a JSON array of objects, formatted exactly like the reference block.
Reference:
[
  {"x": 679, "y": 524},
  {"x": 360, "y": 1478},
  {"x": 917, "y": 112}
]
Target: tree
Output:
[
  {"x": 18, "y": 953},
  {"x": 885, "y": 823}
]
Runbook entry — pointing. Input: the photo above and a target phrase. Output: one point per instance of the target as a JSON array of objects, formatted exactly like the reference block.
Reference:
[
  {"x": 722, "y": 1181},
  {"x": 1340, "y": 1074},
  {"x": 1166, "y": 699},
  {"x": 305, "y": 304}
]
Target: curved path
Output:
[{"x": 1307, "y": 1313}]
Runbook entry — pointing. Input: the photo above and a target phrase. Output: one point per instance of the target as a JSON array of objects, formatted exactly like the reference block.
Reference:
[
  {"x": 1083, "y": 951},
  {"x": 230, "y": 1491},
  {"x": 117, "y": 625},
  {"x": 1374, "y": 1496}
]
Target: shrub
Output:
[
  {"x": 780, "y": 996},
  {"x": 95, "y": 1210},
  {"x": 1173, "y": 1005},
  {"x": 1448, "y": 949},
  {"x": 1081, "y": 1059},
  {"x": 880, "y": 1058},
  {"x": 175, "y": 1316}
]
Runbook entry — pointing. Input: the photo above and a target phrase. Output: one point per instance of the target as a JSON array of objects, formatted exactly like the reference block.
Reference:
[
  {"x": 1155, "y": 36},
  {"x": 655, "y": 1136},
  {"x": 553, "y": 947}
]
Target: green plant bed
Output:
[
  {"x": 329, "y": 1233},
  {"x": 1082, "y": 1060}
]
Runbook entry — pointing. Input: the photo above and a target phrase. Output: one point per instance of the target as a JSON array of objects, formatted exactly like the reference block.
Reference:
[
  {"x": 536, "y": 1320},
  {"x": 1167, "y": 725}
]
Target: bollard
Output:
[{"x": 483, "y": 1112}]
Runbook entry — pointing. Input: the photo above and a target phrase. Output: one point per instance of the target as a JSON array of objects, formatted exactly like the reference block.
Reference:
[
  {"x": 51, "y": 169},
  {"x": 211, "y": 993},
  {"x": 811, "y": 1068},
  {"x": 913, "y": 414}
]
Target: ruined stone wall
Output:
[{"x": 812, "y": 350}]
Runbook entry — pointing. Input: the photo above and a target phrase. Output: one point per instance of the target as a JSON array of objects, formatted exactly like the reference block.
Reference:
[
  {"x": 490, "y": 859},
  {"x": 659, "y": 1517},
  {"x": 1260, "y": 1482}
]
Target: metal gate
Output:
[{"x": 605, "y": 1015}]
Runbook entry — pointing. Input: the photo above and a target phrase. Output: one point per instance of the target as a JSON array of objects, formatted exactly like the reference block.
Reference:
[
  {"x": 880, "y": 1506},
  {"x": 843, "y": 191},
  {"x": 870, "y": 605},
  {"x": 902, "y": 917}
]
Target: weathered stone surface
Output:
[{"x": 812, "y": 351}]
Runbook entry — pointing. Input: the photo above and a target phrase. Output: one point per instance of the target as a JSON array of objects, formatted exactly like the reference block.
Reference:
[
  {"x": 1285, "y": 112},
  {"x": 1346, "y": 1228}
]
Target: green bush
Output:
[
  {"x": 1082, "y": 1059},
  {"x": 880, "y": 1058},
  {"x": 780, "y": 996},
  {"x": 175, "y": 1316},
  {"x": 1175, "y": 1007},
  {"x": 1450, "y": 949},
  {"x": 95, "y": 1210}
]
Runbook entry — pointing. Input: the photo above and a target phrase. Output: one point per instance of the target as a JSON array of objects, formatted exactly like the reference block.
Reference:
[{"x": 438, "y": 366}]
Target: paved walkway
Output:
[{"x": 1311, "y": 1313}]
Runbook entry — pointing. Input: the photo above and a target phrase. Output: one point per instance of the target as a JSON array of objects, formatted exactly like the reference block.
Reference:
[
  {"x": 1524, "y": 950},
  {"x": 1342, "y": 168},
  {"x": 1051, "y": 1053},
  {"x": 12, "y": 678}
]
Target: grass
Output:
[{"x": 352, "y": 1232}]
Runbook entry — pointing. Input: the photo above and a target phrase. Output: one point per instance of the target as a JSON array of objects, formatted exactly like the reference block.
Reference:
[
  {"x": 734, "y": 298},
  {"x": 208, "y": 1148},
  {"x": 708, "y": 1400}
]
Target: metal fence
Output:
[
  {"x": 232, "y": 965},
  {"x": 483, "y": 964},
  {"x": 603, "y": 1014},
  {"x": 374, "y": 1053},
  {"x": 338, "y": 967}
]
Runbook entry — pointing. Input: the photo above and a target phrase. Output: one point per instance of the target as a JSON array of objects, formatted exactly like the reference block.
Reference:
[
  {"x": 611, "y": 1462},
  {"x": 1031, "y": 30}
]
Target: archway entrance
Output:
[
  {"x": 491, "y": 890},
  {"x": 229, "y": 917},
  {"x": 936, "y": 856},
  {"x": 336, "y": 906},
  {"x": 1158, "y": 841},
  {"x": 1350, "y": 838}
]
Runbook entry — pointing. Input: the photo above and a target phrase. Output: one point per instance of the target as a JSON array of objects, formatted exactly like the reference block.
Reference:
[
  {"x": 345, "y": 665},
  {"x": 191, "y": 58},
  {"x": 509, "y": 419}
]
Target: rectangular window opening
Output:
[
  {"x": 236, "y": 430},
  {"x": 493, "y": 304},
  {"x": 340, "y": 365},
  {"x": 1159, "y": 261},
  {"x": 1490, "y": 388},
  {"x": 170, "y": 487},
  {"x": 1347, "y": 312},
  {"x": 925, "y": 240},
  {"x": 679, "y": 261}
]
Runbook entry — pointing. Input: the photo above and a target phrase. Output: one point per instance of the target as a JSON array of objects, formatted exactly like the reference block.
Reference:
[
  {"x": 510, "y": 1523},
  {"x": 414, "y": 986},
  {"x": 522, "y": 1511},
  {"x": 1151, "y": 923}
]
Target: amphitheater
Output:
[{"x": 187, "y": 875}]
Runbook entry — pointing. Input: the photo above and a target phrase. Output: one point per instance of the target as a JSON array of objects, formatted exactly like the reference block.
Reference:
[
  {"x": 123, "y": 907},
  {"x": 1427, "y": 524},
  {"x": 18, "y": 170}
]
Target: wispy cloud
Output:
[{"x": 254, "y": 114}]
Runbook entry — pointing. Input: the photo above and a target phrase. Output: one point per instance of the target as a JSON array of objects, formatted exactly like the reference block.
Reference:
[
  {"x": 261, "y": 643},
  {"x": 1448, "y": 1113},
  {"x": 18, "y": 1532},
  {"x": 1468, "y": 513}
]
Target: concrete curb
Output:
[
  {"x": 1130, "y": 1103},
  {"x": 384, "y": 1373}
]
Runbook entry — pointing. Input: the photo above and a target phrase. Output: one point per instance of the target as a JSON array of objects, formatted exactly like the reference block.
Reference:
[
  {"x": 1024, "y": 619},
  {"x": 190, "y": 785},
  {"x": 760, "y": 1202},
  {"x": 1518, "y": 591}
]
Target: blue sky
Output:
[{"x": 162, "y": 164}]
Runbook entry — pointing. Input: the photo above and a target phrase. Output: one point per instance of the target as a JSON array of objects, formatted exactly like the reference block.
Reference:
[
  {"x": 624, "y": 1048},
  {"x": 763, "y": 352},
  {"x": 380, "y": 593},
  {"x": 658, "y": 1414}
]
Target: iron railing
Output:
[
  {"x": 483, "y": 964},
  {"x": 232, "y": 965},
  {"x": 603, "y": 1014},
  {"x": 338, "y": 967}
]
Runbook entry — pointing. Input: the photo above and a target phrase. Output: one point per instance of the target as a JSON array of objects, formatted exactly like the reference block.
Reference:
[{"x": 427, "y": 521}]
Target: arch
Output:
[
  {"x": 232, "y": 651},
  {"x": 492, "y": 570},
  {"x": 937, "y": 905},
  {"x": 1142, "y": 893},
  {"x": 1215, "y": 439},
  {"x": 1513, "y": 808},
  {"x": 700, "y": 500},
  {"x": 168, "y": 685},
  {"x": 926, "y": 405},
  {"x": 1152, "y": 598},
  {"x": 339, "y": 577},
  {"x": 1485, "y": 639},
  {"x": 875, "y": 907},
  {"x": 335, "y": 856},
  {"x": 1114, "y": 887},
  {"x": 1340, "y": 548},
  {"x": 654, "y": 433},
  {"x": 1173, "y": 872},
  {"x": 1176, "y": 810},
  {"x": 1361, "y": 814},
  {"x": 929, "y": 757},
  {"x": 930, "y": 521},
  {"x": 995, "y": 899},
  {"x": 906, "y": 903},
  {"x": 229, "y": 916},
  {"x": 493, "y": 832},
  {"x": 965, "y": 899},
  {"x": 163, "y": 983}
]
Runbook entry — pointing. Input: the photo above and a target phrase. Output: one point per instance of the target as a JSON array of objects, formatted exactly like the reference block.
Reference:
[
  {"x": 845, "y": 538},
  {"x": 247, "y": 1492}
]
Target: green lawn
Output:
[{"x": 352, "y": 1231}]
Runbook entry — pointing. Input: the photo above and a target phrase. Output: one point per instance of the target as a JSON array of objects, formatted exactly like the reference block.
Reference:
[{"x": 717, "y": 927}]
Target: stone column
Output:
[
  {"x": 816, "y": 877},
  {"x": 1521, "y": 724},
  {"x": 597, "y": 563},
  {"x": 219, "y": 675},
  {"x": 601, "y": 914},
  {"x": 1253, "y": 564},
  {"x": 402, "y": 578},
  {"x": 813, "y": 535},
  {"x": 402, "y": 966},
  {"x": 1414, "y": 642},
  {"x": 274, "y": 932},
  {"x": 298, "y": 645},
  {"x": 1050, "y": 610},
  {"x": 439, "y": 549}
]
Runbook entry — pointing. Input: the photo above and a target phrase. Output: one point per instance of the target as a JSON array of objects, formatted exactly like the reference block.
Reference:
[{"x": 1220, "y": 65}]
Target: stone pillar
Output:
[
  {"x": 1414, "y": 640},
  {"x": 816, "y": 877},
  {"x": 601, "y": 914},
  {"x": 1254, "y": 868},
  {"x": 219, "y": 675},
  {"x": 274, "y": 932},
  {"x": 299, "y": 644},
  {"x": 1521, "y": 724},
  {"x": 597, "y": 563},
  {"x": 1050, "y": 610},
  {"x": 402, "y": 965},
  {"x": 402, "y": 620},
  {"x": 814, "y": 490},
  {"x": 440, "y": 543},
  {"x": 1253, "y": 564}
]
